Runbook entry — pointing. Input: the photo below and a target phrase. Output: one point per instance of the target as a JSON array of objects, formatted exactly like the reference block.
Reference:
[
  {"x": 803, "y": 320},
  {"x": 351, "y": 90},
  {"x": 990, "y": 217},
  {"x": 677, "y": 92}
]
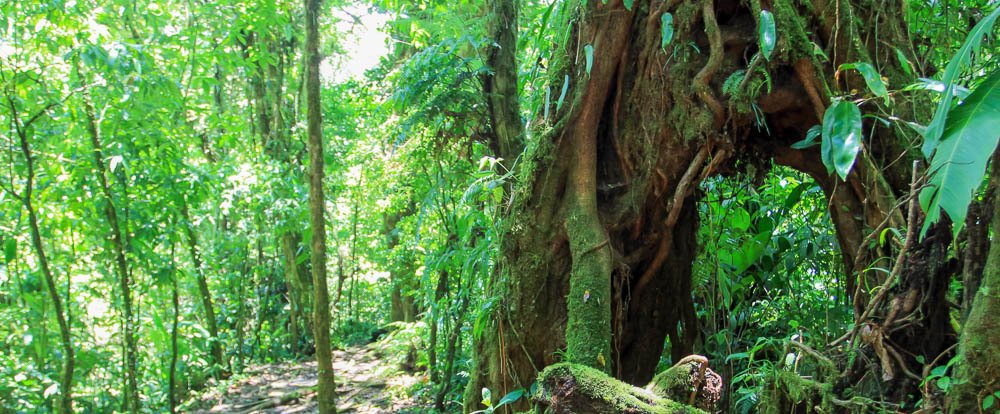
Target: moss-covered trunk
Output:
[
  {"x": 326, "y": 387},
  {"x": 602, "y": 223},
  {"x": 978, "y": 373}
]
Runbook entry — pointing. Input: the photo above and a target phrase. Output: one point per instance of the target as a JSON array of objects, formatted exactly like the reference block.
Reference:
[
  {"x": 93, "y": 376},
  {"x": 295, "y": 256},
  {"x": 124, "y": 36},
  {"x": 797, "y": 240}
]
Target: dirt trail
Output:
[{"x": 366, "y": 384}]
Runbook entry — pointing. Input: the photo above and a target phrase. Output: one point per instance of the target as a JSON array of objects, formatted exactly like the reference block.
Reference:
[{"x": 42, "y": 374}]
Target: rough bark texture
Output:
[
  {"x": 979, "y": 368},
  {"x": 326, "y": 388},
  {"x": 500, "y": 86},
  {"x": 604, "y": 214}
]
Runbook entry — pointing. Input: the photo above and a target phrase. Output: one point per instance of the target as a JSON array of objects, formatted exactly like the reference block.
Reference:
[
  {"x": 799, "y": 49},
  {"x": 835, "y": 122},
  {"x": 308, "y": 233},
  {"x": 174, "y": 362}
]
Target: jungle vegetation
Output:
[{"x": 644, "y": 206}]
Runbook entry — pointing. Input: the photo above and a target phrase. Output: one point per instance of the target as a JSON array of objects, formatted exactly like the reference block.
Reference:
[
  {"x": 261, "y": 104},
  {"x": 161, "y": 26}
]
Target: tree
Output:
[
  {"x": 979, "y": 365},
  {"x": 657, "y": 96},
  {"x": 327, "y": 388},
  {"x": 22, "y": 130}
]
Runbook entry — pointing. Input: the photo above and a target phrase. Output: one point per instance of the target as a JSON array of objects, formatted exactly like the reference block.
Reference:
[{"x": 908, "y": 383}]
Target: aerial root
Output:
[
  {"x": 704, "y": 76},
  {"x": 666, "y": 240}
]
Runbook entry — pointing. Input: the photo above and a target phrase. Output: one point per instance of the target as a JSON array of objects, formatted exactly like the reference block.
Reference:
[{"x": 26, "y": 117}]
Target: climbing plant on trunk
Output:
[{"x": 647, "y": 99}]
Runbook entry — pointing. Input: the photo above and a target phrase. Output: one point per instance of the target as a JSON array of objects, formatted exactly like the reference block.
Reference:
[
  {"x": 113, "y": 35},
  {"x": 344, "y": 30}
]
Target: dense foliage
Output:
[{"x": 155, "y": 215}]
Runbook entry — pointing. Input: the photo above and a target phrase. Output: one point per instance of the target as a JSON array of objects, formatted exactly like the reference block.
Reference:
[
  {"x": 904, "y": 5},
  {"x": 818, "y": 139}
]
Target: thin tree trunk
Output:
[
  {"x": 500, "y": 87},
  {"x": 65, "y": 336},
  {"x": 326, "y": 393},
  {"x": 175, "y": 300},
  {"x": 433, "y": 316},
  {"x": 131, "y": 395},
  {"x": 205, "y": 293},
  {"x": 450, "y": 353},
  {"x": 240, "y": 316}
]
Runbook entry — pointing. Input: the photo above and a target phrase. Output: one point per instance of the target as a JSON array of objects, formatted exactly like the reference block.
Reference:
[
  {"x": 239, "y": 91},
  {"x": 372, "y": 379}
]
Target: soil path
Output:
[{"x": 366, "y": 384}]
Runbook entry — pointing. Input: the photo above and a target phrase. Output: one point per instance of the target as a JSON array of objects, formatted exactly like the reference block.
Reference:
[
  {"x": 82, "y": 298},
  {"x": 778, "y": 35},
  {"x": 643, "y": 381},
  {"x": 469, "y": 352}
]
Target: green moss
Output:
[
  {"x": 792, "y": 31},
  {"x": 787, "y": 391},
  {"x": 610, "y": 395},
  {"x": 588, "y": 328},
  {"x": 673, "y": 382}
]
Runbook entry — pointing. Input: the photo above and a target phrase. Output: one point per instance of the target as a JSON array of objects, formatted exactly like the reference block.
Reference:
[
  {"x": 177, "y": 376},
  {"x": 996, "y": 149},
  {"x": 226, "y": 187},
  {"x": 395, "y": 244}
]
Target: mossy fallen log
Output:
[{"x": 572, "y": 388}]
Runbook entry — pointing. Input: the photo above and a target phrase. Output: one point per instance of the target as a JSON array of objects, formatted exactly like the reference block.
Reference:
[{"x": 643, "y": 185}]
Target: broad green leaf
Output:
[
  {"x": 937, "y": 86},
  {"x": 666, "y": 30},
  {"x": 841, "y": 137},
  {"x": 872, "y": 78},
  {"x": 958, "y": 164},
  {"x": 628, "y": 4},
  {"x": 904, "y": 62},
  {"x": 562, "y": 95},
  {"x": 510, "y": 397},
  {"x": 988, "y": 402},
  {"x": 932, "y": 135},
  {"x": 795, "y": 196},
  {"x": 810, "y": 139},
  {"x": 740, "y": 219},
  {"x": 588, "y": 51},
  {"x": 768, "y": 34},
  {"x": 10, "y": 250}
]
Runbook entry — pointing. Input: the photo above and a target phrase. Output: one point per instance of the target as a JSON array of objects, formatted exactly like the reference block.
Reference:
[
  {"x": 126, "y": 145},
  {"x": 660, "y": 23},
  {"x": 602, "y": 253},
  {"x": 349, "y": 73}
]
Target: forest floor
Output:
[{"x": 367, "y": 383}]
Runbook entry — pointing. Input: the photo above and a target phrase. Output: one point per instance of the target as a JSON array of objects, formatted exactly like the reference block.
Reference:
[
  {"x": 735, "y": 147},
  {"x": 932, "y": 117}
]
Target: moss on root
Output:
[{"x": 574, "y": 388}]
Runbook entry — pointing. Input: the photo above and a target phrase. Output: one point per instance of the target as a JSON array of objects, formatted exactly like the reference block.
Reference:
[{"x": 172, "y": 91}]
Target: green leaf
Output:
[
  {"x": 588, "y": 51},
  {"x": 510, "y": 397},
  {"x": 740, "y": 219},
  {"x": 958, "y": 164},
  {"x": 562, "y": 95},
  {"x": 932, "y": 135},
  {"x": 944, "y": 383},
  {"x": 628, "y": 4},
  {"x": 666, "y": 30},
  {"x": 841, "y": 137},
  {"x": 904, "y": 62},
  {"x": 872, "y": 78},
  {"x": 487, "y": 397},
  {"x": 768, "y": 34},
  {"x": 10, "y": 250},
  {"x": 810, "y": 139},
  {"x": 988, "y": 402},
  {"x": 737, "y": 356}
]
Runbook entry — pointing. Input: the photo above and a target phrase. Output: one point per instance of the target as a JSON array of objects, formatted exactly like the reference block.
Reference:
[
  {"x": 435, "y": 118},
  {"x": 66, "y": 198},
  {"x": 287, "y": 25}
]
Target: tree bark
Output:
[
  {"x": 175, "y": 301},
  {"x": 978, "y": 374},
  {"x": 608, "y": 192},
  {"x": 65, "y": 334},
  {"x": 206, "y": 295},
  {"x": 326, "y": 392},
  {"x": 131, "y": 395},
  {"x": 500, "y": 86}
]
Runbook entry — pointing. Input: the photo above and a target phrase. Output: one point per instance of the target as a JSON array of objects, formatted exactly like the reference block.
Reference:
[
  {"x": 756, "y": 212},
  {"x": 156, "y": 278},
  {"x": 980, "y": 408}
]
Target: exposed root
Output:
[
  {"x": 666, "y": 241},
  {"x": 706, "y": 73}
]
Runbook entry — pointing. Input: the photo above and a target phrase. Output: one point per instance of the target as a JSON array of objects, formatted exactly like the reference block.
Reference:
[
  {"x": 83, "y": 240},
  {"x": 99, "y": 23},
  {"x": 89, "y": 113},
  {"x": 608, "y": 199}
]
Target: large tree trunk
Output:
[
  {"x": 326, "y": 389},
  {"x": 978, "y": 373},
  {"x": 603, "y": 220}
]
